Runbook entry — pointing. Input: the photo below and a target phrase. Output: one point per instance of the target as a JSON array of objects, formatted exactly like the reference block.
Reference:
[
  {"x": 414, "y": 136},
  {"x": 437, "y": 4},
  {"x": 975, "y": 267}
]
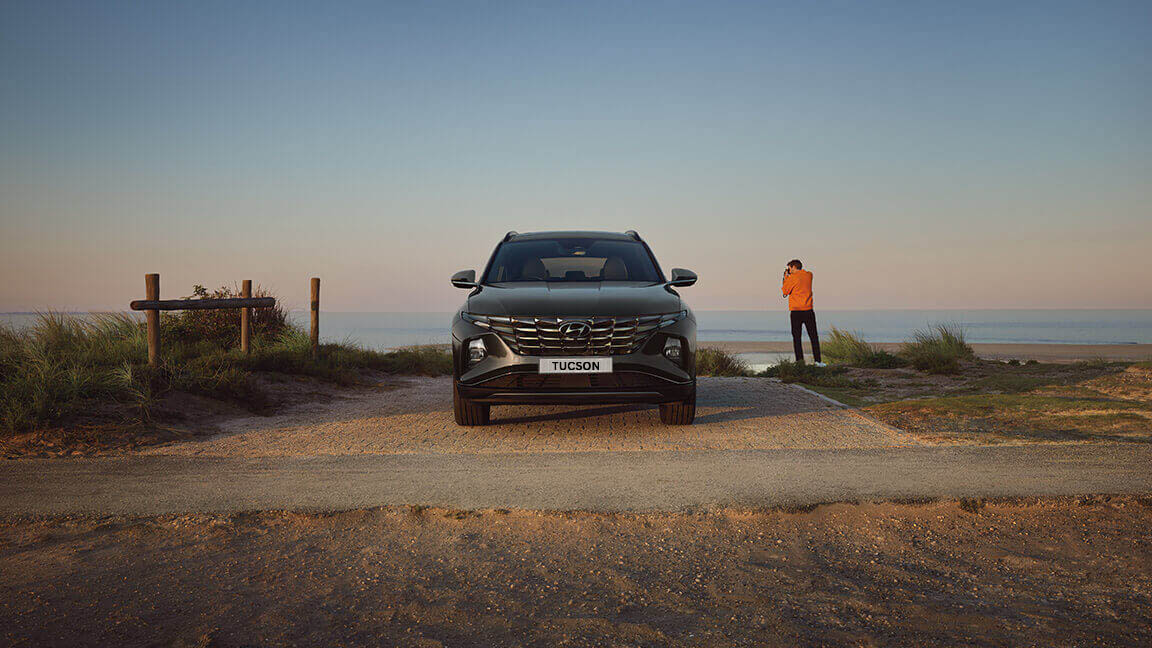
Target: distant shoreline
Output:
[{"x": 1045, "y": 352}]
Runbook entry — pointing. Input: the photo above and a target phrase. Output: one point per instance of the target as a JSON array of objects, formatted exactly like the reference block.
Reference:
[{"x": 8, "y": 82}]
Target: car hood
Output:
[{"x": 587, "y": 298}]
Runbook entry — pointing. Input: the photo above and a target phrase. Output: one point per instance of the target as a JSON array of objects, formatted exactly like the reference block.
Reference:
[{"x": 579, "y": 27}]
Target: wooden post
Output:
[
  {"x": 152, "y": 291},
  {"x": 315, "y": 318},
  {"x": 245, "y": 317}
]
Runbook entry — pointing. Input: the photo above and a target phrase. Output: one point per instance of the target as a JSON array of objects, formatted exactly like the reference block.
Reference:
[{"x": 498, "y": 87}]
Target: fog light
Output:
[
  {"x": 476, "y": 351},
  {"x": 672, "y": 350}
]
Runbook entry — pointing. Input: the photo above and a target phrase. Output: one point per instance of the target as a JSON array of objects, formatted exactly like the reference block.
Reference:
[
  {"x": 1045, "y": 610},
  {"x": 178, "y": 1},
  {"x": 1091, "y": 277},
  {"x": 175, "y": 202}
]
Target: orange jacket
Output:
[{"x": 798, "y": 289}]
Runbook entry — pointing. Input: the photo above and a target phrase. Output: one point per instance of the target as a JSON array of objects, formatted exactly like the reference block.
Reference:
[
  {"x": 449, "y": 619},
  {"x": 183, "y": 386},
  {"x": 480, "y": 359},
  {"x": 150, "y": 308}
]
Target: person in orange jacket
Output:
[{"x": 798, "y": 289}]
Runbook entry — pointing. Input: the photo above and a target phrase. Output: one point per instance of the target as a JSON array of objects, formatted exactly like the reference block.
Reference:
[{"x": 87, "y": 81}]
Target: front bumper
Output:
[{"x": 645, "y": 376}]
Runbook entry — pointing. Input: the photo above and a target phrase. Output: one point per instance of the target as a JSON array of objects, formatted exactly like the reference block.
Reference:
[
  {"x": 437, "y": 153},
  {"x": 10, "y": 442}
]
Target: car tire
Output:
[
  {"x": 468, "y": 412},
  {"x": 681, "y": 413}
]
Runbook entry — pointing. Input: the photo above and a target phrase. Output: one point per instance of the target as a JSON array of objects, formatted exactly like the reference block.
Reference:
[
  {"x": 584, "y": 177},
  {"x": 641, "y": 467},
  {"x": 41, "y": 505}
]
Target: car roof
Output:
[{"x": 536, "y": 236}]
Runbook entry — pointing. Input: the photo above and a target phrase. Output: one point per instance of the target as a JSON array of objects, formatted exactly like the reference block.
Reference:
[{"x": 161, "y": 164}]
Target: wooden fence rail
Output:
[
  {"x": 152, "y": 305},
  {"x": 201, "y": 304}
]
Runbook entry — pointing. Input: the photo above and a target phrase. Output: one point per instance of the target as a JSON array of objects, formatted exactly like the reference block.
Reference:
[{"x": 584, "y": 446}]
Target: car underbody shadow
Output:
[{"x": 552, "y": 415}]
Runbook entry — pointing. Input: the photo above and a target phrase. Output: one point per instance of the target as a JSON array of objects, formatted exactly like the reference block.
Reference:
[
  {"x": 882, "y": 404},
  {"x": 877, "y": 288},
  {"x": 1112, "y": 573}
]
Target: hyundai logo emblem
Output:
[{"x": 575, "y": 330}]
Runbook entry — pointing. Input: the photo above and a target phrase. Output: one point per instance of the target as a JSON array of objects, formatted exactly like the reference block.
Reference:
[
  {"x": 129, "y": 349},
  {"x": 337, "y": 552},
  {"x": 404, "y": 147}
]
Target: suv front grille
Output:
[
  {"x": 541, "y": 336},
  {"x": 617, "y": 380}
]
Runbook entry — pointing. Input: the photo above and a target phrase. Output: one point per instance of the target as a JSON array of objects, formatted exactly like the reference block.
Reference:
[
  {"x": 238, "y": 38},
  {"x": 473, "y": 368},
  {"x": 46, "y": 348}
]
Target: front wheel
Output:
[
  {"x": 679, "y": 413},
  {"x": 468, "y": 412}
]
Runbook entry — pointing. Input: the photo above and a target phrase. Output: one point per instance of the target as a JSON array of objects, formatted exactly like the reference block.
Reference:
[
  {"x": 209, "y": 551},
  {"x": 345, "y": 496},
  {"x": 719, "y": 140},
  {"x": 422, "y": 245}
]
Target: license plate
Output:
[{"x": 575, "y": 365}]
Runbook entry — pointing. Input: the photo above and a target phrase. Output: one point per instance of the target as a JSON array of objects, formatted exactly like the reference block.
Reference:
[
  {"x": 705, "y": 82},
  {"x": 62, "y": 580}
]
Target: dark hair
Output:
[{"x": 795, "y": 263}]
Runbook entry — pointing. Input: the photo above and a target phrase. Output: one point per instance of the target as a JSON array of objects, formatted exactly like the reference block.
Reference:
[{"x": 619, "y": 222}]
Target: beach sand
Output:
[
  {"x": 1031, "y": 572},
  {"x": 1038, "y": 352}
]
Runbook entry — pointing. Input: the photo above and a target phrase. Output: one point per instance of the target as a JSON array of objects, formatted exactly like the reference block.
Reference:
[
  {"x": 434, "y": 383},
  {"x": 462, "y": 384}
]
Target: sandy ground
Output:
[
  {"x": 756, "y": 442},
  {"x": 596, "y": 481},
  {"x": 1054, "y": 572},
  {"x": 414, "y": 415},
  {"x": 1038, "y": 352}
]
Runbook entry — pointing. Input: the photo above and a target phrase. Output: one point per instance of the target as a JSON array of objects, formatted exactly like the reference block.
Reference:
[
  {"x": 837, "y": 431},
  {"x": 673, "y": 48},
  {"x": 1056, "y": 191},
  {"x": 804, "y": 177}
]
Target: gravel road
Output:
[
  {"x": 414, "y": 416},
  {"x": 596, "y": 481},
  {"x": 756, "y": 443}
]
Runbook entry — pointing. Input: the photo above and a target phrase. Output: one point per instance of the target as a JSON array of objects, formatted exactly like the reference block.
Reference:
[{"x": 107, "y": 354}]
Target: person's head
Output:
[{"x": 795, "y": 264}]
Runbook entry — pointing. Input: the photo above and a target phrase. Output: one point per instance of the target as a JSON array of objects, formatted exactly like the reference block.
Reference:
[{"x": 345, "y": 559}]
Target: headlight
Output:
[
  {"x": 476, "y": 351},
  {"x": 671, "y": 318},
  {"x": 673, "y": 350}
]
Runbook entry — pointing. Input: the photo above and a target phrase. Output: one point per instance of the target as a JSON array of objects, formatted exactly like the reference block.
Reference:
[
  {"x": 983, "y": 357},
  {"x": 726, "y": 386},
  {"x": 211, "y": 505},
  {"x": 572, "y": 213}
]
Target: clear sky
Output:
[{"x": 914, "y": 154}]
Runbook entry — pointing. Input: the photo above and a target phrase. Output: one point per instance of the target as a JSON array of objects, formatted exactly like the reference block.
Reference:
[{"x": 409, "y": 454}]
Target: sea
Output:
[{"x": 391, "y": 330}]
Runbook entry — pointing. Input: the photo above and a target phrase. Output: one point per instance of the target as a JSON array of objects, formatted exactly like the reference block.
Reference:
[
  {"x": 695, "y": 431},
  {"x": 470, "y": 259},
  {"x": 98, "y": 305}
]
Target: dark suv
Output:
[{"x": 573, "y": 318}]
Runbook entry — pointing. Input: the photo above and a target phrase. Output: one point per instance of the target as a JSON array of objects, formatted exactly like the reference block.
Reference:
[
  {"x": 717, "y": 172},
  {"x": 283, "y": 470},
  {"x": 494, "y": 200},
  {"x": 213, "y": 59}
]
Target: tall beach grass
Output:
[
  {"x": 711, "y": 361},
  {"x": 66, "y": 365},
  {"x": 844, "y": 347},
  {"x": 50, "y": 369},
  {"x": 938, "y": 349}
]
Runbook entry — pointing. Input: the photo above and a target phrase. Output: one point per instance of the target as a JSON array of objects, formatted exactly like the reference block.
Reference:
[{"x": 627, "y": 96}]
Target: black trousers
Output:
[{"x": 801, "y": 319}]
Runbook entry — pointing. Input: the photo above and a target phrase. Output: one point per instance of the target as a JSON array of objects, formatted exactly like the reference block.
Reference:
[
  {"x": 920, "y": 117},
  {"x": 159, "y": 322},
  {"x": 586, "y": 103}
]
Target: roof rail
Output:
[
  {"x": 509, "y": 235},
  {"x": 633, "y": 234}
]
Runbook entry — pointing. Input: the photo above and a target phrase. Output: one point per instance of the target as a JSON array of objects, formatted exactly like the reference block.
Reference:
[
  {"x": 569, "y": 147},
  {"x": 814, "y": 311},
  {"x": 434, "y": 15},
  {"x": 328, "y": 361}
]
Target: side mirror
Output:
[
  {"x": 682, "y": 277},
  {"x": 464, "y": 279}
]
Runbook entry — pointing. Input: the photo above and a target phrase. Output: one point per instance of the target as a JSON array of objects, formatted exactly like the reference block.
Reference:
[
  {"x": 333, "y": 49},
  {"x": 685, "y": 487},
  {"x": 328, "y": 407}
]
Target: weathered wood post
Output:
[
  {"x": 315, "y": 318},
  {"x": 152, "y": 292},
  {"x": 245, "y": 317}
]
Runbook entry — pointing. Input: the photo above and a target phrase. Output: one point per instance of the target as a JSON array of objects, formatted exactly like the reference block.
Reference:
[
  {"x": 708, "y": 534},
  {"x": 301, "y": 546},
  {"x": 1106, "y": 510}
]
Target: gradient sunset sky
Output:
[{"x": 913, "y": 154}]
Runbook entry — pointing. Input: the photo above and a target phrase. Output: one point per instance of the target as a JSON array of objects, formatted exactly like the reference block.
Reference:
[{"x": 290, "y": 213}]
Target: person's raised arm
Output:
[{"x": 789, "y": 284}]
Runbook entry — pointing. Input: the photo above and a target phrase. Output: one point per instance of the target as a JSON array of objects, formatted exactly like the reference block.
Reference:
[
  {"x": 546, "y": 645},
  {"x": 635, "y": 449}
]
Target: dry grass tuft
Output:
[
  {"x": 938, "y": 349},
  {"x": 711, "y": 361},
  {"x": 847, "y": 348}
]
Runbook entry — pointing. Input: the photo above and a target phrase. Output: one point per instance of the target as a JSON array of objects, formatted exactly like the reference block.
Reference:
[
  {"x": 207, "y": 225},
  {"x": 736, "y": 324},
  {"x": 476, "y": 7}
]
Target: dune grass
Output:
[
  {"x": 790, "y": 371},
  {"x": 847, "y": 348},
  {"x": 1098, "y": 362},
  {"x": 341, "y": 363},
  {"x": 938, "y": 349},
  {"x": 831, "y": 381},
  {"x": 50, "y": 369},
  {"x": 711, "y": 361},
  {"x": 64, "y": 365}
]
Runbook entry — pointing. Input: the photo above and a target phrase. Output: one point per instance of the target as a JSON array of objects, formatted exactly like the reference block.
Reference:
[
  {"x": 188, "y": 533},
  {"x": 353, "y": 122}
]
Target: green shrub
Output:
[
  {"x": 711, "y": 361},
  {"x": 938, "y": 349},
  {"x": 221, "y": 328},
  {"x": 789, "y": 371},
  {"x": 850, "y": 349}
]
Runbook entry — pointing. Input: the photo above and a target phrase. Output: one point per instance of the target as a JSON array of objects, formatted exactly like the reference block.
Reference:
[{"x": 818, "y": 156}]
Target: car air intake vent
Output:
[{"x": 575, "y": 336}]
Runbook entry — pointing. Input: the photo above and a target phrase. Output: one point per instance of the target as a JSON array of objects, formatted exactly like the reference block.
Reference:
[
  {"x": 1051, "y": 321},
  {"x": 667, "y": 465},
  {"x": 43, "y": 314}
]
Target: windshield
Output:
[{"x": 572, "y": 259}]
